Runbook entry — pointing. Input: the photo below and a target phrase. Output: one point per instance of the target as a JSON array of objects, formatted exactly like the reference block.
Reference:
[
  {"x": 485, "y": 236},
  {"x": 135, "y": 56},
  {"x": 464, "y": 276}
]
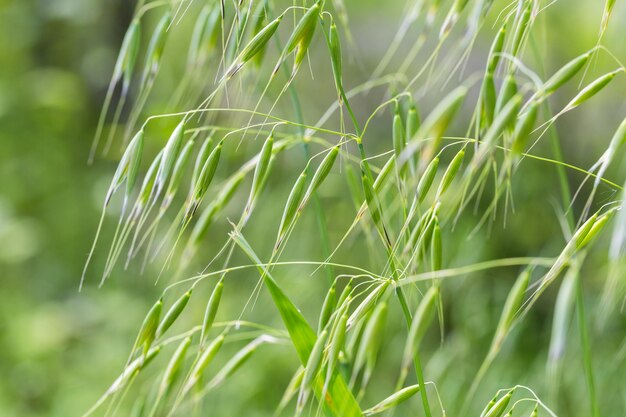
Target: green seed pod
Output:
[
  {"x": 177, "y": 174},
  {"x": 372, "y": 202},
  {"x": 496, "y": 50},
  {"x": 412, "y": 121},
  {"x": 606, "y": 15},
  {"x": 235, "y": 362},
  {"x": 149, "y": 180},
  {"x": 336, "y": 344},
  {"x": 262, "y": 166},
  {"x": 503, "y": 121},
  {"x": 523, "y": 128},
  {"x": 398, "y": 133},
  {"x": 203, "y": 154},
  {"x": 368, "y": 303},
  {"x": 135, "y": 163},
  {"x": 491, "y": 403},
  {"x": 148, "y": 328},
  {"x": 170, "y": 155},
  {"x": 211, "y": 310},
  {"x": 173, "y": 313},
  {"x": 565, "y": 300},
  {"x": 507, "y": 91},
  {"x": 314, "y": 363},
  {"x": 419, "y": 228},
  {"x": 257, "y": 44},
  {"x": 591, "y": 90},
  {"x": 440, "y": 118},
  {"x": 393, "y": 400},
  {"x": 345, "y": 293},
  {"x": 535, "y": 411},
  {"x": 371, "y": 341},
  {"x": 500, "y": 406},
  {"x": 173, "y": 367},
  {"x": 304, "y": 28},
  {"x": 132, "y": 369},
  {"x": 291, "y": 390},
  {"x": 328, "y": 307},
  {"x": 293, "y": 201},
  {"x": 511, "y": 306},
  {"x": 334, "y": 43},
  {"x": 323, "y": 170},
  {"x": 206, "y": 357},
  {"x": 204, "y": 36},
  {"x": 421, "y": 321},
  {"x": 581, "y": 234},
  {"x": 258, "y": 24},
  {"x": 596, "y": 228},
  {"x": 436, "y": 249},
  {"x": 128, "y": 167},
  {"x": 155, "y": 49},
  {"x": 206, "y": 175},
  {"x": 522, "y": 27},
  {"x": 384, "y": 173},
  {"x": 425, "y": 182},
  {"x": 564, "y": 74},
  {"x": 128, "y": 54},
  {"x": 488, "y": 99},
  {"x": 451, "y": 172}
]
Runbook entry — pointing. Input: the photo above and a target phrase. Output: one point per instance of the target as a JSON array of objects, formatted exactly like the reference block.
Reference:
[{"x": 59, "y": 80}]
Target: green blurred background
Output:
[{"x": 60, "y": 349}]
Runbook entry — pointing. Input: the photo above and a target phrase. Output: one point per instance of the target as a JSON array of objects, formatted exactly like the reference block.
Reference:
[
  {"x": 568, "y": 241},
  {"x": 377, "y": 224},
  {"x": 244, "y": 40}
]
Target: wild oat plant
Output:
[{"x": 283, "y": 182}]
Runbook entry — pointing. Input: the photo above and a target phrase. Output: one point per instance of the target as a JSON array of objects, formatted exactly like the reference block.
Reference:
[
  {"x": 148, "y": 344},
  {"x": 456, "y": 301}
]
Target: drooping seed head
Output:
[
  {"x": 393, "y": 400},
  {"x": 203, "y": 154},
  {"x": 591, "y": 90},
  {"x": 511, "y": 307},
  {"x": 500, "y": 406},
  {"x": 425, "y": 182},
  {"x": 206, "y": 357},
  {"x": 507, "y": 91},
  {"x": 127, "y": 57},
  {"x": 371, "y": 341},
  {"x": 496, "y": 49},
  {"x": 236, "y": 362},
  {"x": 368, "y": 303},
  {"x": 521, "y": 29},
  {"x": 148, "y": 328},
  {"x": 155, "y": 49},
  {"x": 170, "y": 155},
  {"x": 328, "y": 307},
  {"x": 523, "y": 128},
  {"x": 204, "y": 35},
  {"x": 436, "y": 249},
  {"x": 398, "y": 133},
  {"x": 128, "y": 167},
  {"x": 412, "y": 121},
  {"x": 257, "y": 44},
  {"x": 451, "y": 172},
  {"x": 173, "y": 367},
  {"x": 421, "y": 321},
  {"x": 334, "y": 43},
  {"x": 291, "y": 207},
  {"x": 488, "y": 99},
  {"x": 211, "y": 310},
  {"x": 177, "y": 173},
  {"x": 173, "y": 313},
  {"x": 323, "y": 170},
  {"x": 567, "y": 72},
  {"x": 204, "y": 179},
  {"x": 262, "y": 166}
]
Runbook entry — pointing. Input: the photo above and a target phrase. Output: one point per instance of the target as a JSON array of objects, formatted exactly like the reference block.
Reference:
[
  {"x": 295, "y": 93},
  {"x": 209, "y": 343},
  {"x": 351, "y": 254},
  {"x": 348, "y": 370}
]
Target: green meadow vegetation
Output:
[{"x": 342, "y": 208}]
